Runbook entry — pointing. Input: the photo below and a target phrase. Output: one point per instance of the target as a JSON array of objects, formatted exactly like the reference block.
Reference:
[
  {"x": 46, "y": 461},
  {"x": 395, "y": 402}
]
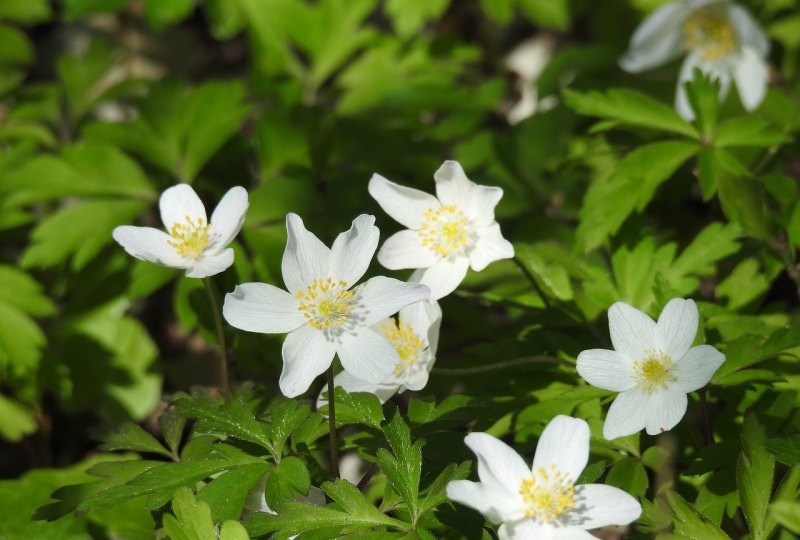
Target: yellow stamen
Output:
[
  {"x": 547, "y": 494},
  {"x": 405, "y": 341},
  {"x": 326, "y": 303},
  {"x": 190, "y": 238},
  {"x": 654, "y": 371},
  {"x": 444, "y": 230},
  {"x": 709, "y": 31}
]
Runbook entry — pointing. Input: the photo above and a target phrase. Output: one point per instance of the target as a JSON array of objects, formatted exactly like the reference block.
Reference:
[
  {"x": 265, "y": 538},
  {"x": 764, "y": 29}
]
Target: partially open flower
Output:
[
  {"x": 194, "y": 243},
  {"x": 653, "y": 366},
  {"x": 542, "y": 501},
  {"x": 719, "y": 37}
]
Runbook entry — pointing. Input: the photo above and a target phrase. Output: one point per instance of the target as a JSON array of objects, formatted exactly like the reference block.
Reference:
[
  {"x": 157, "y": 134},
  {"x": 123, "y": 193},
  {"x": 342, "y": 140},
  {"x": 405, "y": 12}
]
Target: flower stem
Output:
[
  {"x": 223, "y": 350},
  {"x": 499, "y": 365},
  {"x": 334, "y": 443},
  {"x": 708, "y": 431}
]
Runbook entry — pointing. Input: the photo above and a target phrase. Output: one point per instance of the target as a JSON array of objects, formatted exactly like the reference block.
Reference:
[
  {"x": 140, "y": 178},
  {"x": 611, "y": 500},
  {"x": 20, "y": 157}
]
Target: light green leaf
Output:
[
  {"x": 16, "y": 420},
  {"x": 25, "y": 11},
  {"x": 747, "y": 131},
  {"x": 744, "y": 284},
  {"x": 754, "y": 475},
  {"x": 713, "y": 243},
  {"x": 227, "y": 494},
  {"x": 702, "y": 93},
  {"x": 130, "y": 436},
  {"x": 403, "y": 466},
  {"x": 787, "y": 514},
  {"x": 409, "y": 16},
  {"x": 233, "y": 530},
  {"x": 356, "y": 408},
  {"x": 21, "y": 340},
  {"x": 192, "y": 520},
  {"x": 547, "y": 13},
  {"x": 629, "y": 475},
  {"x": 162, "y": 13},
  {"x": 785, "y": 449}
]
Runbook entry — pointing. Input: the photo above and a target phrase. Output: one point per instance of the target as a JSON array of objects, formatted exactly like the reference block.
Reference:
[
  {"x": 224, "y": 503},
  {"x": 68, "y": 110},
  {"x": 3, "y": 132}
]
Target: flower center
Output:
[
  {"x": 444, "y": 230},
  {"x": 190, "y": 237},
  {"x": 709, "y": 31},
  {"x": 326, "y": 303},
  {"x": 547, "y": 494},
  {"x": 407, "y": 344},
  {"x": 654, "y": 372}
]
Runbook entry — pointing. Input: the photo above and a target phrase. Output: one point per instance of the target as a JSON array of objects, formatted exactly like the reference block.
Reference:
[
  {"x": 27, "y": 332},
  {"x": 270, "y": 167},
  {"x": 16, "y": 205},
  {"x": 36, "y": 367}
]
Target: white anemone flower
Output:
[
  {"x": 322, "y": 312},
  {"x": 193, "y": 242},
  {"x": 415, "y": 336},
  {"x": 528, "y": 60},
  {"x": 542, "y": 501},
  {"x": 719, "y": 37},
  {"x": 653, "y": 366},
  {"x": 446, "y": 234}
]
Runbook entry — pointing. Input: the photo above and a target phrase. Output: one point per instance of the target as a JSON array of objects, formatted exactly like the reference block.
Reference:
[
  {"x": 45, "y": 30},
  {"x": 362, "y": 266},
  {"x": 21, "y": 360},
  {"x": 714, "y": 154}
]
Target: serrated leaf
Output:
[
  {"x": 436, "y": 494},
  {"x": 233, "y": 419},
  {"x": 785, "y": 449},
  {"x": 747, "y": 131},
  {"x": 16, "y": 420},
  {"x": 172, "y": 423},
  {"x": 592, "y": 472},
  {"x": 356, "y": 408},
  {"x": 192, "y": 520},
  {"x": 233, "y": 530},
  {"x": 290, "y": 476},
  {"x": 691, "y": 524},
  {"x": 403, "y": 469},
  {"x": 130, "y": 436},
  {"x": 227, "y": 494},
  {"x": 702, "y": 92},
  {"x": 754, "y": 475},
  {"x": 286, "y": 415}
]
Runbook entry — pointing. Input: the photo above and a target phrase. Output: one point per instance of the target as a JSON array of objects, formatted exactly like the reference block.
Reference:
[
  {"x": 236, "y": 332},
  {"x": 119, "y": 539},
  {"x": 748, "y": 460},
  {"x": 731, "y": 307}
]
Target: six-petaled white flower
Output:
[
  {"x": 447, "y": 233},
  {"x": 193, "y": 243},
  {"x": 542, "y": 501},
  {"x": 414, "y": 333},
  {"x": 323, "y": 313},
  {"x": 653, "y": 366},
  {"x": 719, "y": 37}
]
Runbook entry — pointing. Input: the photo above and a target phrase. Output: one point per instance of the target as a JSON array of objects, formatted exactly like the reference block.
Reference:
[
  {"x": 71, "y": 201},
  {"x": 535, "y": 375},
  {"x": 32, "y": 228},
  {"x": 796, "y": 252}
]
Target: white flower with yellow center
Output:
[
  {"x": 653, "y": 366},
  {"x": 719, "y": 37},
  {"x": 415, "y": 336},
  {"x": 323, "y": 313},
  {"x": 446, "y": 234},
  {"x": 542, "y": 501},
  {"x": 193, "y": 243}
]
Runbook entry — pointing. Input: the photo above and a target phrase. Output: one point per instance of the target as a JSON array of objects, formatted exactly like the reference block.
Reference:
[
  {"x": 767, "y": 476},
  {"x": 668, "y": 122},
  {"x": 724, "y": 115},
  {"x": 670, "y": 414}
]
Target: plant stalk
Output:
[
  {"x": 499, "y": 365},
  {"x": 334, "y": 443},
  {"x": 223, "y": 350}
]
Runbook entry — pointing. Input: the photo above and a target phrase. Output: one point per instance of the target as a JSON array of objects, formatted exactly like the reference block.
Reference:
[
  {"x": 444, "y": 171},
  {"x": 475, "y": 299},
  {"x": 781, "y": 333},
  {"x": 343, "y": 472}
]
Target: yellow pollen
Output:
[
  {"x": 326, "y": 303},
  {"x": 189, "y": 238},
  {"x": 709, "y": 31},
  {"x": 444, "y": 230},
  {"x": 407, "y": 344},
  {"x": 547, "y": 495},
  {"x": 654, "y": 372}
]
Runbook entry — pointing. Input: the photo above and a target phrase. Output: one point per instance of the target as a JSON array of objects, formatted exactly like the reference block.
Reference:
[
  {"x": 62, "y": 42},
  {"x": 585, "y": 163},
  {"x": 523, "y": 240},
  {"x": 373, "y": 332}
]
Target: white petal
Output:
[
  {"x": 529, "y": 529},
  {"x": 657, "y": 40},
  {"x": 598, "y": 505},
  {"x": 443, "y": 277},
  {"x": 677, "y": 327},
  {"x": 380, "y": 297},
  {"x": 565, "y": 444},
  {"x": 489, "y": 501},
  {"x": 489, "y": 246},
  {"x": 665, "y": 410},
  {"x": 417, "y": 380},
  {"x": 751, "y": 75},
  {"x": 499, "y": 465},
  {"x": 404, "y": 249},
  {"x": 632, "y": 332},
  {"x": 367, "y": 355},
  {"x": 228, "y": 217},
  {"x": 404, "y": 204},
  {"x": 306, "y": 354},
  {"x": 606, "y": 369},
  {"x": 747, "y": 30},
  {"x": 210, "y": 265},
  {"x": 149, "y": 244},
  {"x": 352, "y": 250},
  {"x": 305, "y": 257},
  {"x": 260, "y": 307},
  {"x": 352, "y": 384},
  {"x": 425, "y": 318},
  {"x": 526, "y": 106},
  {"x": 178, "y": 203},
  {"x": 627, "y": 414},
  {"x": 476, "y": 201},
  {"x": 696, "y": 368}
]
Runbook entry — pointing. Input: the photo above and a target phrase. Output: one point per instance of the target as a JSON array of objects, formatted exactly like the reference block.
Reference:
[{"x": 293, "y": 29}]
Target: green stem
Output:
[
  {"x": 334, "y": 444},
  {"x": 708, "y": 431},
  {"x": 533, "y": 281},
  {"x": 499, "y": 365},
  {"x": 223, "y": 350}
]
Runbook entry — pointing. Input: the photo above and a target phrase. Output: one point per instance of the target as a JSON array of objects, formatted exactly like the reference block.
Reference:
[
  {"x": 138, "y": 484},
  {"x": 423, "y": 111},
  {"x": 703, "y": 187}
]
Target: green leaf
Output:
[
  {"x": 785, "y": 449},
  {"x": 703, "y": 92},
  {"x": 130, "y": 436},
  {"x": 233, "y": 419},
  {"x": 436, "y": 493},
  {"x": 742, "y": 197},
  {"x": 403, "y": 469},
  {"x": 629, "y": 475},
  {"x": 592, "y": 472},
  {"x": 551, "y": 277},
  {"x": 713, "y": 243},
  {"x": 76, "y": 9},
  {"x": 743, "y": 285},
  {"x": 750, "y": 349},
  {"x": 747, "y": 131},
  {"x": 21, "y": 341},
  {"x": 629, "y": 187},
  {"x": 409, "y": 16},
  {"x": 754, "y": 475},
  {"x": 25, "y": 11},
  {"x": 286, "y": 415},
  {"x": 356, "y": 408},
  {"x": 289, "y": 477},
  {"x": 227, "y": 494},
  {"x": 787, "y": 514},
  {"x": 172, "y": 423},
  {"x": 547, "y": 13},
  {"x": 162, "y": 13},
  {"x": 192, "y": 520},
  {"x": 233, "y": 530},
  {"x": 16, "y": 420},
  {"x": 689, "y": 523},
  {"x": 17, "y": 50},
  {"x": 629, "y": 107}
]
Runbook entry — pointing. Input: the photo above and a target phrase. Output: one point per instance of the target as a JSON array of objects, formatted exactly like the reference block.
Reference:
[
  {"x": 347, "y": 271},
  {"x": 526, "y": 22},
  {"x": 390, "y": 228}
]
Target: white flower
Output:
[
  {"x": 447, "y": 233},
  {"x": 720, "y": 38},
  {"x": 415, "y": 337},
  {"x": 653, "y": 366},
  {"x": 194, "y": 243},
  {"x": 542, "y": 501},
  {"x": 322, "y": 312},
  {"x": 528, "y": 60}
]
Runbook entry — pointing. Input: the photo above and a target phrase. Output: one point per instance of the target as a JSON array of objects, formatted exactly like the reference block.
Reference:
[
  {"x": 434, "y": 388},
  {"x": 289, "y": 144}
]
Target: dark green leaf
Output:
[
  {"x": 233, "y": 419},
  {"x": 227, "y": 494},
  {"x": 754, "y": 475},
  {"x": 130, "y": 436}
]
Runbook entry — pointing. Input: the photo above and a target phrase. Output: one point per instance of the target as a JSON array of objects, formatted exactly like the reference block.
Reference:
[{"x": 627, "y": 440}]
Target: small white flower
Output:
[
  {"x": 720, "y": 38},
  {"x": 193, "y": 243},
  {"x": 653, "y": 366},
  {"x": 322, "y": 312},
  {"x": 415, "y": 337},
  {"x": 446, "y": 234},
  {"x": 542, "y": 501},
  {"x": 528, "y": 60}
]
